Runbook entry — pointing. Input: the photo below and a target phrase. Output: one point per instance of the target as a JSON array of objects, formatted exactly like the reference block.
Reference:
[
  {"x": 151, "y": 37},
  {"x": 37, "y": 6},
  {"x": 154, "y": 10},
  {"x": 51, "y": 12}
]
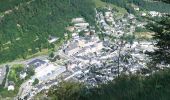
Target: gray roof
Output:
[
  {"x": 71, "y": 47},
  {"x": 11, "y": 83},
  {"x": 36, "y": 63}
]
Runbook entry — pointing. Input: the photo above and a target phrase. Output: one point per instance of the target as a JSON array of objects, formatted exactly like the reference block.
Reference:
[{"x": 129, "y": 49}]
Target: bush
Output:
[{"x": 36, "y": 81}]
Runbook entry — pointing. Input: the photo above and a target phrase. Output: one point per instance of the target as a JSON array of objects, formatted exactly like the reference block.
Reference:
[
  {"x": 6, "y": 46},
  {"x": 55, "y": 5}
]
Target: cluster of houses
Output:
[
  {"x": 114, "y": 26},
  {"x": 96, "y": 60}
]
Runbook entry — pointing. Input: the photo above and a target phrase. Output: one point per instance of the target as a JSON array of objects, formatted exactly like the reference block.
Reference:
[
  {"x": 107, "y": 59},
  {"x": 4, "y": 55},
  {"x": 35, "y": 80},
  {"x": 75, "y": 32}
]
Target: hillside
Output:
[
  {"x": 84, "y": 50},
  {"x": 142, "y": 4},
  {"x": 154, "y": 87},
  {"x": 25, "y": 29},
  {"x": 10, "y": 4}
]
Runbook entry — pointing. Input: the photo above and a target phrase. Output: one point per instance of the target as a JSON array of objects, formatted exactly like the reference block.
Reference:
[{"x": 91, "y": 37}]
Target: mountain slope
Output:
[{"x": 25, "y": 30}]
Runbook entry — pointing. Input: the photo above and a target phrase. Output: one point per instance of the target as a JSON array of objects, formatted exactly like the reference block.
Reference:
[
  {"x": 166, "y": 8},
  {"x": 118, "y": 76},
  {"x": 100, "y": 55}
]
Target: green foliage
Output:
[
  {"x": 66, "y": 91},
  {"x": 25, "y": 31},
  {"x": 166, "y": 1},
  {"x": 30, "y": 72},
  {"x": 82, "y": 33},
  {"x": 153, "y": 87},
  {"x": 144, "y": 4},
  {"x": 128, "y": 38},
  {"x": 10, "y": 4},
  {"x": 152, "y": 6},
  {"x": 162, "y": 38},
  {"x": 14, "y": 75},
  {"x": 121, "y": 3},
  {"x": 140, "y": 29},
  {"x": 51, "y": 55},
  {"x": 36, "y": 81}
]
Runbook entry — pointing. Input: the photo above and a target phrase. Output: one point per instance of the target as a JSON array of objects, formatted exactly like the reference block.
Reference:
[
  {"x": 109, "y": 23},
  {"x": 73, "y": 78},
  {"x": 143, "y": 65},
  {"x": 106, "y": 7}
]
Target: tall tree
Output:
[{"x": 162, "y": 38}]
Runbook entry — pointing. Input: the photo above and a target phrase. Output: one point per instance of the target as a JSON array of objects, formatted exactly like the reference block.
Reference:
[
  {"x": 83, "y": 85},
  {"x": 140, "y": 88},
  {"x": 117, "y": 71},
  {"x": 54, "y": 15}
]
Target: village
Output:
[{"x": 90, "y": 56}]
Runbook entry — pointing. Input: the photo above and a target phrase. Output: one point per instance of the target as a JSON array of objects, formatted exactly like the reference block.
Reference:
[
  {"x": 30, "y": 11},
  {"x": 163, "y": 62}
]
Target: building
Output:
[
  {"x": 154, "y": 14},
  {"x": 144, "y": 14},
  {"x": 70, "y": 28},
  {"x": 78, "y": 20},
  {"x": 11, "y": 86},
  {"x": 37, "y": 63},
  {"x": 81, "y": 26},
  {"x": 23, "y": 75},
  {"x": 52, "y": 39},
  {"x": 71, "y": 49}
]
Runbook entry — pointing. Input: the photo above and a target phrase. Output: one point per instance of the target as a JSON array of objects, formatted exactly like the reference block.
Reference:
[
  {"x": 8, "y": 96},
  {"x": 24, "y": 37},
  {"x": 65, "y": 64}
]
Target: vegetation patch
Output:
[
  {"x": 25, "y": 30},
  {"x": 14, "y": 76}
]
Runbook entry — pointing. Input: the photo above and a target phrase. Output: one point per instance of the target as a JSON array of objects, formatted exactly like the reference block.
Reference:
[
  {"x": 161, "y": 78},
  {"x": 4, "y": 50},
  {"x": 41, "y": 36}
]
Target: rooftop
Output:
[{"x": 36, "y": 63}]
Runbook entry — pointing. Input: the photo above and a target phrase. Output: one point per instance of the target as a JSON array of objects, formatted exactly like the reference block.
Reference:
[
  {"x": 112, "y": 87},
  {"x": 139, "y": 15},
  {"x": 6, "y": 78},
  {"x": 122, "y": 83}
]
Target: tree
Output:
[
  {"x": 66, "y": 91},
  {"x": 36, "y": 81},
  {"x": 166, "y": 1},
  {"x": 161, "y": 55},
  {"x": 51, "y": 55},
  {"x": 153, "y": 87},
  {"x": 25, "y": 30},
  {"x": 30, "y": 71}
]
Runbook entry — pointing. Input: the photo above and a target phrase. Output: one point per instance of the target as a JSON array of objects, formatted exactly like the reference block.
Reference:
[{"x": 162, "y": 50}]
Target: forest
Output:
[
  {"x": 143, "y": 4},
  {"x": 10, "y": 4},
  {"x": 25, "y": 30}
]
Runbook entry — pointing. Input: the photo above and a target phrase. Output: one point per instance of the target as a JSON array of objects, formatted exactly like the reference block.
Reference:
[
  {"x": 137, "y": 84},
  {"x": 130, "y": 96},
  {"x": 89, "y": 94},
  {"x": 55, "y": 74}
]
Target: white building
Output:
[
  {"x": 154, "y": 14},
  {"x": 78, "y": 20},
  {"x": 11, "y": 88},
  {"x": 52, "y": 39},
  {"x": 23, "y": 75},
  {"x": 81, "y": 25}
]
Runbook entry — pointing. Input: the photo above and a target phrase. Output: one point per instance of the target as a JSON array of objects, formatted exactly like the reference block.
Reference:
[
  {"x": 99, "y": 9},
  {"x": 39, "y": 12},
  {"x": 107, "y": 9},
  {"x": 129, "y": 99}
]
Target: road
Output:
[{"x": 45, "y": 86}]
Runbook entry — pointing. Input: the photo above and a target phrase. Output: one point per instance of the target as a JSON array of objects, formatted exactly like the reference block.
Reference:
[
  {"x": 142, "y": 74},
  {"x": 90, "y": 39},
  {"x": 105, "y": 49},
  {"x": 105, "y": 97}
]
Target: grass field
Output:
[
  {"x": 144, "y": 35},
  {"x": 100, "y": 4}
]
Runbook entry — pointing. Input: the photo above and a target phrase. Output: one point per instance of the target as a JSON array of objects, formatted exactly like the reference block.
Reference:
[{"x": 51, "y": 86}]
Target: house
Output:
[
  {"x": 74, "y": 34},
  {"x": 144, "y": 14},
  {"x": 37, "y": 63},
  {"x": 2, "y": 74},
  {"x": 23, "y": 75},
  {"x": 78, "y": 20},
  {"x": 11, "y": 86},
  {"x": 131, "y": 16},
  {"x": 81, "y": 25},
  {"x": 72, "y": 48},
  {"x": 154, "y": 14},
  {"x": 136, "y": 8}
]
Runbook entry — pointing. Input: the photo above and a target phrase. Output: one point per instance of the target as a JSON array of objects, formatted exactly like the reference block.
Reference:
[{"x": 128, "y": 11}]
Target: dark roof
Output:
[
  {"x": 36, "y": 62},
  {"x": 11, "y": 83},
  {"x": 39, "y": 86},
  {"x": 51, "y": 37}
]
